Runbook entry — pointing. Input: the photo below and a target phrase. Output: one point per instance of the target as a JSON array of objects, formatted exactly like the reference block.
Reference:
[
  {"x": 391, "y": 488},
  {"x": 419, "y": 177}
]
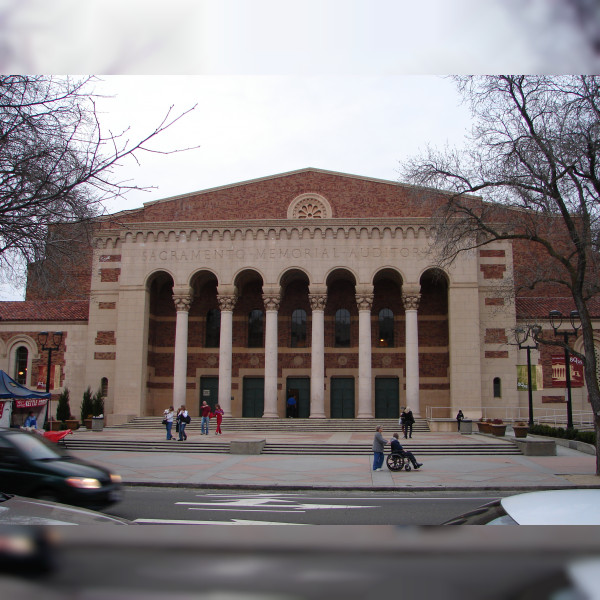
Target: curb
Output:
[{"x": 359, "y": 488}]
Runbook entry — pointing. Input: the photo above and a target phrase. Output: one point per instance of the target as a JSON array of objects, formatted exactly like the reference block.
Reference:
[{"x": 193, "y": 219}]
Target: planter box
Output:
[
  {"x": 484, "y": 427},
  {"x": 498, "y": 430},
  {"x": 87, "y": 423},
  {"x": 72, "y": 424},
  {"x": 520, "y": 432},
  {"x": 54, "y": 425}
]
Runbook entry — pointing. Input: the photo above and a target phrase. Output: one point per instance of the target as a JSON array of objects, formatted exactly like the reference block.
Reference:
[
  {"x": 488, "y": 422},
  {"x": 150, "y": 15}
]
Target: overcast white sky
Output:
[
  {"x": 345, "y": 85},
  {"x": 254, "y": 126}
]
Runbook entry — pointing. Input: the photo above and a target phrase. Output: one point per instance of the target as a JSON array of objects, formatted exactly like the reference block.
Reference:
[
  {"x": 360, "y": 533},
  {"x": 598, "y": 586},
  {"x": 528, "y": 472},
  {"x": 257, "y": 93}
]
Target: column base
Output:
[
  {"x": 364, "y": 416},
  {"x": 270, "y": 416},
  {"x": 318, "y": 416}
]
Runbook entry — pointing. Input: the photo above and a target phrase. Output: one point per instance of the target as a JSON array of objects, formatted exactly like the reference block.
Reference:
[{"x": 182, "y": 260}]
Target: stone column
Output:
[
  {"x": 226, "y": 304},
  {"x": 271, "y": 307},
  {"x": 411, "y": 298},
  {"x": 182, "y": 305},
  {"x": 317, "y": 366},
  {"x": 365, "y": 302}
]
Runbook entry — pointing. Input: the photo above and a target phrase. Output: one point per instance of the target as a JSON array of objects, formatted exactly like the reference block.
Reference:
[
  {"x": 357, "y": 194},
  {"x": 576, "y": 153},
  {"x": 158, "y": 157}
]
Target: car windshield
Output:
[{"x": 34, "y": 448}]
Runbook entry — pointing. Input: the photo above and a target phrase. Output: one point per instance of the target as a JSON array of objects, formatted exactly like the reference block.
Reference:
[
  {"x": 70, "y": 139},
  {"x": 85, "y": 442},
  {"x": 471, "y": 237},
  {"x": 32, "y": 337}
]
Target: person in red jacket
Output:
[
  {"x": 219, "y": 412},
  {"x": 205, "y": 414}
]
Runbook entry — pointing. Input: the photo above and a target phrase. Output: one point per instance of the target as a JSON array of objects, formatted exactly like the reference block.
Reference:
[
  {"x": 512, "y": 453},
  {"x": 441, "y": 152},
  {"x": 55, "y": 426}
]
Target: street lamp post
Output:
[
  {"x": 43, "y": 338},
  {"x": 521, "y": 336},
  {"x": 556, "y": 322}
]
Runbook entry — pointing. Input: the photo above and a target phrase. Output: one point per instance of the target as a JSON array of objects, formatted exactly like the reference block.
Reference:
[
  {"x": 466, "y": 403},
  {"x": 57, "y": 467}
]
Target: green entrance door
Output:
[
  {"x": 299, "y": 387},
  {"x": 253, "y": 401},
  {"x": 209, "y": 390},
  {"x": 342, "y": 398},
  {"x": 386, "y": 398}
]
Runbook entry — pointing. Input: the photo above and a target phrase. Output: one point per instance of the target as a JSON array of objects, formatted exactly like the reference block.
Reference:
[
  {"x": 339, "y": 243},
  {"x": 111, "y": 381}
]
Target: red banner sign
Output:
[
  {"x": 42, "y": 373},
  {"x": 30, "y": 403},
  {"x": 559, "y": 373},
  {"x": 1, "y": 409}
]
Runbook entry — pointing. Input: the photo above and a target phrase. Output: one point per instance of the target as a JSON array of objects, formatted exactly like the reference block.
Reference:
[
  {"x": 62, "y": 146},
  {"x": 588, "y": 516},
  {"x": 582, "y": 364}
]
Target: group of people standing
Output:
[{"x": 182, "y": 418}]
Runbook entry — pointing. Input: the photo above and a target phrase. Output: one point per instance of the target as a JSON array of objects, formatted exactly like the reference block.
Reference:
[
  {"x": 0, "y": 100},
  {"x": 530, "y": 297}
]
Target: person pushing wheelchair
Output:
[{"x": 397, "y": 448}]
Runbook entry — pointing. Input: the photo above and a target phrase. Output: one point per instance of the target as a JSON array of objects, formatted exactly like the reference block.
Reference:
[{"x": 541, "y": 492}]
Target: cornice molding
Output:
[{"x": 276, "y": 229}]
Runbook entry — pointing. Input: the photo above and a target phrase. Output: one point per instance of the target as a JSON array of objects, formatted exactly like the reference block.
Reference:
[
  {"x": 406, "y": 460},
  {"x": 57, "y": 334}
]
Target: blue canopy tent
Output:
[{"x": 24, "y": 397}]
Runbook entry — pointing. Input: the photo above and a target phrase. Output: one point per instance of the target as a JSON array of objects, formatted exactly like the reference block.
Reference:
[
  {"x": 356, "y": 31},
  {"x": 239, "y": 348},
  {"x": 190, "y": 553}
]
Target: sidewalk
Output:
[{"x": 570, "y": 468}]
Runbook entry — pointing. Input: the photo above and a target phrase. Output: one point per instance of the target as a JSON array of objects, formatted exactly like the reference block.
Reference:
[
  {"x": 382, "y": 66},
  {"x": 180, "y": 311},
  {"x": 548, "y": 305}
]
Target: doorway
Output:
[
  {"x": 387, "y": 403},
  {"x": 209, "y": 391},
  {"x": 342, "y": 398},
  {"x": 299, "y": 387},
  {"x": 253, "y": 399}
]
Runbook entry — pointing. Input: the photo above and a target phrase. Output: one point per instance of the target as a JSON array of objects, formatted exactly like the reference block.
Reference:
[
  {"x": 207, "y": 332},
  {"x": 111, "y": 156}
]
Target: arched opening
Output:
[
  {"x": 161, "y": 343},
  {"x": 434, "y": 340},
  {"x": 21, "y": 358},
  {"x": 497, "y": 387}
]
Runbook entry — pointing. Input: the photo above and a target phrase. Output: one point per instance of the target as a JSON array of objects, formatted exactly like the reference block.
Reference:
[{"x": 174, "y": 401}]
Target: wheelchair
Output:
[{"x": 397, "y": 462}]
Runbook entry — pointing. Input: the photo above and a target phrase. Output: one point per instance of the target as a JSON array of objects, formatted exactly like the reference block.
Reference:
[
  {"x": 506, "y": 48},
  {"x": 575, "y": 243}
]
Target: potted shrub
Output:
[
  {"x": 498, "y": 427},
  {"x": 63, "y": 411},
  {"x": 484, "y": 425},
  {"x": 520, "y": 429},
  {"x": 87, "y": 408}
]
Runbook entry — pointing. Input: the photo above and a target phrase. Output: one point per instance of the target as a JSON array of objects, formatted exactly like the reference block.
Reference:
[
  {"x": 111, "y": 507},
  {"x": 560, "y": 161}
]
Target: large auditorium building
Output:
[{"x": 312, "y": 283}]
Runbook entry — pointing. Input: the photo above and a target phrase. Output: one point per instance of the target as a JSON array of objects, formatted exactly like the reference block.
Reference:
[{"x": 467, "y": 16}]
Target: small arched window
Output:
[
  {"x": 255, "y": 329},
  {"x": 298, "y": 330},
  {"x": 21, "y": 357},
  {"x": 213, "y": 328},
  {"x": 342, "y": 328},
  {"x": 386, "y": 328},
  {"x": 104, "y": 387},
  {"x": 497, "y": 387}
]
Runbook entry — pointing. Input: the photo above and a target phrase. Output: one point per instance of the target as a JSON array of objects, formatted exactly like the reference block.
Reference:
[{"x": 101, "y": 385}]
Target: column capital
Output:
[
  {"x": 364, "y": 301},
  {"x": 271, "y": 301},
  {"x": 317, "y": 301},
  {"x": 183, "y": 302},
  {"x": 226, "y": 302},
  {"x": 411, "y": 296}
]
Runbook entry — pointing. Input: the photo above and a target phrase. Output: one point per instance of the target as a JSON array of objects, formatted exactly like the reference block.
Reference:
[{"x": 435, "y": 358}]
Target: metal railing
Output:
[{"x": 556, "y": 417}]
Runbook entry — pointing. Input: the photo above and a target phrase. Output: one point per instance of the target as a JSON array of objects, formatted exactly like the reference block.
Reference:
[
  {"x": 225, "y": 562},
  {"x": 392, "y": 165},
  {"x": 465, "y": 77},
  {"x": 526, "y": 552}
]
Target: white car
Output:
[{"x": 553, "y": 507}]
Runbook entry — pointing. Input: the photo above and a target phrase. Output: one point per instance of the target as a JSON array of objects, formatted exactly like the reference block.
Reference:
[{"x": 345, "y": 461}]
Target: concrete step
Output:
[
  {"x": 312, "y": 425},
  {"x": 419, "y": 449}
]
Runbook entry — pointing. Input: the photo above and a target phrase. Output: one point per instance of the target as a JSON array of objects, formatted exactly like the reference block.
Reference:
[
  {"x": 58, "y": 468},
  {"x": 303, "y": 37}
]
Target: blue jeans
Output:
[
  {"x": 169, "y": 426},
  {"x": 205, "y": 422},
  {"x": 377, "y": 460},
  {"x": 182, "y": 431}
]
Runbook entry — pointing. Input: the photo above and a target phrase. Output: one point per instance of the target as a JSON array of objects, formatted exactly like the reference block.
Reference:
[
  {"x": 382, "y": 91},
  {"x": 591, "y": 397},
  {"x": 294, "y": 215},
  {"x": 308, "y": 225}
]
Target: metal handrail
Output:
[{"x": 555, "y": 416}]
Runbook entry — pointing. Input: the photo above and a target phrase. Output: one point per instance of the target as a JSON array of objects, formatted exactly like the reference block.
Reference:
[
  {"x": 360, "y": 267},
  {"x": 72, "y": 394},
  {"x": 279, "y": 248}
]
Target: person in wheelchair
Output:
[{"x": 395, "y": 459}]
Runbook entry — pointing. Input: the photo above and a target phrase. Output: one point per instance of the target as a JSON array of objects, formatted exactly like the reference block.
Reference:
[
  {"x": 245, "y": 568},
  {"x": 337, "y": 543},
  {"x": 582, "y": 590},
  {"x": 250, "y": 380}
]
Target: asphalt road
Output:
[{"x": 160, "y": 505}]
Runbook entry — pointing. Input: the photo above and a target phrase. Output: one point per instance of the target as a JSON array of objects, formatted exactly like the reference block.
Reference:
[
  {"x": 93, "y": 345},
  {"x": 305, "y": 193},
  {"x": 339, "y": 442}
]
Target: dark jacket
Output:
[{"x": 396, "y": 446}]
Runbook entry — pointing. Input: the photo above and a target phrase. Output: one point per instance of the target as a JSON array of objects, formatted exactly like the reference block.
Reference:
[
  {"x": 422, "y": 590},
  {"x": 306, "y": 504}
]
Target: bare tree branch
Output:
[{"x": 533, "y": 158}]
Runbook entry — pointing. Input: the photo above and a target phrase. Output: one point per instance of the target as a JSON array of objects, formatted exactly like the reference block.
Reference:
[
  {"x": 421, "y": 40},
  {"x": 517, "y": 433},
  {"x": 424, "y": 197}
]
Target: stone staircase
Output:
[
  {"x": 213, "y": 444},
  {"x": 284, "y": 425},
  {"x": 293, "y": 448}
]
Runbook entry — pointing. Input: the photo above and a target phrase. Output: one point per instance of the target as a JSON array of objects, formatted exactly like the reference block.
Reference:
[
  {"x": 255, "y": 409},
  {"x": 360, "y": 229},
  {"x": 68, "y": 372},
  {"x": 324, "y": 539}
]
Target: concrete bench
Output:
[
  {"x": 246, "y": 447},
  {"x": 536, "y": 447}
]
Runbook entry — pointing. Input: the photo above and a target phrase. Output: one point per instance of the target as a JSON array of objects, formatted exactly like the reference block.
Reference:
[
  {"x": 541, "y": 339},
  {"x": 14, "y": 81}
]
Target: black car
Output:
[{"x": 32, "y": 466}]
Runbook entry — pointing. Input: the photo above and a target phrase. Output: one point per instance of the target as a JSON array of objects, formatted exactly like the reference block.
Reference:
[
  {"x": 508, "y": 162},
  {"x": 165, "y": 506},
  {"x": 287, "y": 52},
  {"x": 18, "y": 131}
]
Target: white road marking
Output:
[
  {"x": 269, "y": 501},
  {"x": 186, "y": 522}
]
